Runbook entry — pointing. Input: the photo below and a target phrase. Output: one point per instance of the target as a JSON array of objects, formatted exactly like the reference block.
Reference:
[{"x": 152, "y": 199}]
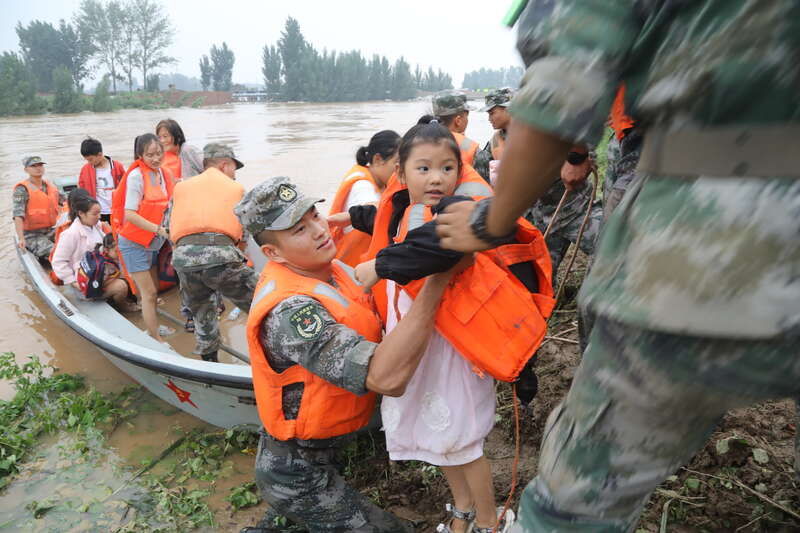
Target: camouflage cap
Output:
[
  {"x": 447, "y": 103},
  {"x": 219, "y": 150},
  {"x": 31, "y": 160},
  {"x": 498, "y": 97},
  {"x": 275, "y": 205}
]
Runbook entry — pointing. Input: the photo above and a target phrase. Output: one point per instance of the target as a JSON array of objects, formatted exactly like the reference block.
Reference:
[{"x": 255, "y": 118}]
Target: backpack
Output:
[{"x": 91, "y": 272}]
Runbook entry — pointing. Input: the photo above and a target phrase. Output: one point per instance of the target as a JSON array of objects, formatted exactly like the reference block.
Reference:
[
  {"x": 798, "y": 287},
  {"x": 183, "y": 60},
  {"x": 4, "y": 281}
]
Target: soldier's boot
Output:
[{"x": 210, "y": 357}]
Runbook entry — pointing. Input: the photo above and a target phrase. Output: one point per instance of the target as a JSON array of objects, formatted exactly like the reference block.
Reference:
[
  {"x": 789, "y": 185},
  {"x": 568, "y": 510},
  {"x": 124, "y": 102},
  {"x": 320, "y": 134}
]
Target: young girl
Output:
[
  {"x": 83, "y": 235},
  {"x": 448, "y": 409},
  {"x": 137, "y": 211},
  {"x": 363, "y": 184}
]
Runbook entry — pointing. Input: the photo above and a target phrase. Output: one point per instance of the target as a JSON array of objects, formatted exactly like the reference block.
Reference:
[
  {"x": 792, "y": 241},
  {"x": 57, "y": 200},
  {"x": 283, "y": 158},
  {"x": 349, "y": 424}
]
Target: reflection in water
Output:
[{"x": 312, "y": 143}]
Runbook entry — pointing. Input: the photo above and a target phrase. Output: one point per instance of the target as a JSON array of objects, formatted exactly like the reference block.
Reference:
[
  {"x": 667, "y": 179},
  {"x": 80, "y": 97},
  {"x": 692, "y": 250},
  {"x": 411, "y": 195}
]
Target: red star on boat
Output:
[{"x": 182, "y": 395}]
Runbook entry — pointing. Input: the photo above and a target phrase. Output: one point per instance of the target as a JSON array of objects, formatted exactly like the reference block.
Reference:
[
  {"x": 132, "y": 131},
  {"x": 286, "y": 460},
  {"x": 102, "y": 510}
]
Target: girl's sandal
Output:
[
  {"x": 456, "y": 514},
  {"x": 505, "y": 522}
]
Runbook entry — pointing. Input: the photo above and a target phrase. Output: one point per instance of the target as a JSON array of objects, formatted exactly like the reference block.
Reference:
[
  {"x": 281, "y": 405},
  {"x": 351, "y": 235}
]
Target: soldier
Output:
[
  {"x": 694, "y": 284},
  {"x": 35, "y": 209},
  {"x": 317, "y": 363},
  {"x": 497, "y": 102},
  {"x": 206, "y": 234},
  {"x": 451, "y": 109}
]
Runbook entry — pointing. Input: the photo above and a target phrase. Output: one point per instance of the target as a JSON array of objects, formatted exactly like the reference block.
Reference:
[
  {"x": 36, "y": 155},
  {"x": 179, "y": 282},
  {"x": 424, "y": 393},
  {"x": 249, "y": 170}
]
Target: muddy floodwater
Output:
[{"x": 312, "y": 143}]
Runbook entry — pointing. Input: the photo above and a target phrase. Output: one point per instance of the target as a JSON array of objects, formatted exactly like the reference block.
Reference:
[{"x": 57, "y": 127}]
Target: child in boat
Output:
[{"x": 447, "y": 410}]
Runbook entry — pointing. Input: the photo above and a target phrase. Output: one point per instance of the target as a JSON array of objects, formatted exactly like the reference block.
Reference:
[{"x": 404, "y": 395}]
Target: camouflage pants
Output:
[
  {"x": 305, "y": 487},
  {"x": 641, "y": 404},
  {"x": 39, "y": 242},
  {"x": 623, "y": 156},
  {"x": 235, "y": 281},
  {"x": 568, "y": 222}
]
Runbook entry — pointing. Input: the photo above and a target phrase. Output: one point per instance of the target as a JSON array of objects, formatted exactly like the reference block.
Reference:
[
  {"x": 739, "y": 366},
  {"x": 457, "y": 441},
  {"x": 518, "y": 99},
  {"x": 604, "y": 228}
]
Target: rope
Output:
[{"x": 555, "y": 213}]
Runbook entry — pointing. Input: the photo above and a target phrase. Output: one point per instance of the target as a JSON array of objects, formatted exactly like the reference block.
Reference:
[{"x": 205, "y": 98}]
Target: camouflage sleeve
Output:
[
  {"x": 19, "y": 202},
  {"x": 575, "y": 51},
  {"x": 481, "y": 162},
  {"x": 299, "y": 330}
]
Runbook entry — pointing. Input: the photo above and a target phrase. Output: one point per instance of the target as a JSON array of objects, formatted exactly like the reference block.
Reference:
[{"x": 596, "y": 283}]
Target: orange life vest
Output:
[
  {"x": 350, "y": 245},
  {"x": 467, "y": 146},
  {"x": 42, "y": 209},
  {"x": 326, "y": 410},
  {"x": 486, "y": 313},
  {"x": 619, "y": 120},
  {"x": 205, "y": 204},
  {"x": 172, "y": 162},
  {"x": 154, "y": 203},
  {"x": 470, "y": 183},
  {"x": 498, "y": 144}
]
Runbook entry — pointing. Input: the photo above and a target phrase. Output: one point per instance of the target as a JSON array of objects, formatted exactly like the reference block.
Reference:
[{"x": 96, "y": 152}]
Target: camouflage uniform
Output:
[
  {"x": 206, "y": 271},
  {"x": 447, "y": 103},
  {"x": 39, "y": 242},
  {"x": 299, "y": 479},
  {"x": 623, "y": 156},
  {"x": 497, "y": 97},
  {"x": 694, "y": 283}
]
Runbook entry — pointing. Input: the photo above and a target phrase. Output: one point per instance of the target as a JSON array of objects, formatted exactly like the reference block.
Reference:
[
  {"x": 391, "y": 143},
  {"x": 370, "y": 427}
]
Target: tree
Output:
[
  {"x": 222, "y": 60},
  {"x": 153, "y": 35},
  {"x": 42, "y": 50},
  {"x": 402, "y": 81},
  {"x": 17, "y": 87},
  {"x": 152, "y": 84},
  {"x": 206, "y": 71},
  {"x": 292, "y": 45},
  {"x": 271, "y": 70},
  {"x": 101, "y": 102},
  {"x": 66, "y": 99},
  {"x": 78, "y": 47},
  {"x": 129, "y": 52},
  {"x": 103, "y": 26}
]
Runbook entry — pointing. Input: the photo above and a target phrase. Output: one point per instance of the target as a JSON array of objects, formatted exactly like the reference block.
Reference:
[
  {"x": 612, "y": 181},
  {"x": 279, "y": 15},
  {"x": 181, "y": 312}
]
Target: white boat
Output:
[{"x": 218, "y": 393}]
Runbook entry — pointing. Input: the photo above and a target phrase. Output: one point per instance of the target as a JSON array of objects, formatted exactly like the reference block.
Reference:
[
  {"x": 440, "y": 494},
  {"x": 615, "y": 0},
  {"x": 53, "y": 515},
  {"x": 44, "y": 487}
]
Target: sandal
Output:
[
  {"x": 466, "y": 516},
  {"x": 189, "y": 325},
  {"x": 504, "y": 523}
]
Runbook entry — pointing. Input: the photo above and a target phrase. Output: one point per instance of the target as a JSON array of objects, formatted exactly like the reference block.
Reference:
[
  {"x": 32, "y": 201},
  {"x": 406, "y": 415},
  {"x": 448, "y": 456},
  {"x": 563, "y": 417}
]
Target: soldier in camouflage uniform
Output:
[
  {"x": 210, "y": 264},
  {"x": 623, "y": 156},
  {"x": 39, "y": 242},
  {"x": 694, "y": 284},
  {"x": 497, "y": 102},
  {"x": 451, "y": 109},
  {"x": 298, "y": 478}
]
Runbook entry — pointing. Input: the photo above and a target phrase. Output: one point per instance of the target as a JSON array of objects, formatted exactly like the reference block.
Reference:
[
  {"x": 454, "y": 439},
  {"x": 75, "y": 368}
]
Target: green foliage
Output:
[
  {"x": 206, "y": 72},
  {"x": 43, "y": 51},
  {"x": 102, "y": 103},
  {"x": 152, "y": 84},
  {"x": 141, "y": 100},
  {"x": 294, "y": 70},
  {"x": 222, "y": 60},
  {"x": 243, "y": 496},
  {"x": 66, "y": 99},
  {"x": 17, "y": 87},
  {"x": 153, "y": 34},
  {"x": 493, "y": 78},
  {"x": 100, "y": 25}
]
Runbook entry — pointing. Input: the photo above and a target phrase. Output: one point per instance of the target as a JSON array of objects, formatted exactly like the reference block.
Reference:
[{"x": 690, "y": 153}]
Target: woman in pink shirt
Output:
[{"x": 82, "y": 236}]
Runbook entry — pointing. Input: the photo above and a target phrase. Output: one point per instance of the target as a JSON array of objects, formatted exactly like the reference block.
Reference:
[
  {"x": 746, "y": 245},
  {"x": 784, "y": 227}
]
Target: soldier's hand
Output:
[
  {"x": 574, "y": 176},
  {"x": 454, "y": 230},
  {"x": 366, "y": 275},
  {"x": 339, "y": 219}
]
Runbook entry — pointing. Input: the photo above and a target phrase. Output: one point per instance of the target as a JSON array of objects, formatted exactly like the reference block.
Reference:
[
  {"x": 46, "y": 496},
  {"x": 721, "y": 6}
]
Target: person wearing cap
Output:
[
  {"x": 318, "y": 362},
  {"x": 451, "y": 109},
  {"x": 206, "y": 235},
  {"x": 35, "y": 209},
  {"x": 497, "y": 102}
]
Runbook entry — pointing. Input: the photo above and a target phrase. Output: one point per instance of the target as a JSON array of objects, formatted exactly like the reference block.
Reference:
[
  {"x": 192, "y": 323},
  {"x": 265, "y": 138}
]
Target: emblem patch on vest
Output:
[
  {"x": 307, "y": 322},
  {"x": 286, "y": 193}
]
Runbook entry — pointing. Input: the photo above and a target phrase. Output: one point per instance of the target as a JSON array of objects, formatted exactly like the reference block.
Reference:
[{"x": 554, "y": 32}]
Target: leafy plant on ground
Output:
[{"x": 243, "y": 496}]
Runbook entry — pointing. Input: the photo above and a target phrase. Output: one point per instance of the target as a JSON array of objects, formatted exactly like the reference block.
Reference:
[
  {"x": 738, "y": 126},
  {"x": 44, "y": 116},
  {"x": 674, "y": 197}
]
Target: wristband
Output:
[
  {"x": 477, "y": 222},
  {"x": 577, "y": 158}
]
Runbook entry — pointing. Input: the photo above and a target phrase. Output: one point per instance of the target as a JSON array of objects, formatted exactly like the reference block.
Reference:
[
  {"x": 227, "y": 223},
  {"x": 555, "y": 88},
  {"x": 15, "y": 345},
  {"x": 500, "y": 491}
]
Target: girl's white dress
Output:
[{"x": 447, "y": 410}]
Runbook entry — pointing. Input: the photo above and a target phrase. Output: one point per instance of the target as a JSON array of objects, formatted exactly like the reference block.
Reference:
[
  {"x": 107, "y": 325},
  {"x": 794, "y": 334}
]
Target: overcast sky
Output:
[{"x": 458, "y": 36}]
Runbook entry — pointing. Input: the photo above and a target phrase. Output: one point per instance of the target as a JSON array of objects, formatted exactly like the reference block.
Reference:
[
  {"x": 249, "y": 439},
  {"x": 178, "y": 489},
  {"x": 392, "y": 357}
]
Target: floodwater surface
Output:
[{"x": 314, "y": 144}]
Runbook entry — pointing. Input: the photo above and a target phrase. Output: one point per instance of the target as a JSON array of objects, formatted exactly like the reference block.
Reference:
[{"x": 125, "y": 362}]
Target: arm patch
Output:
[{"x": 306, "y": 322}]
